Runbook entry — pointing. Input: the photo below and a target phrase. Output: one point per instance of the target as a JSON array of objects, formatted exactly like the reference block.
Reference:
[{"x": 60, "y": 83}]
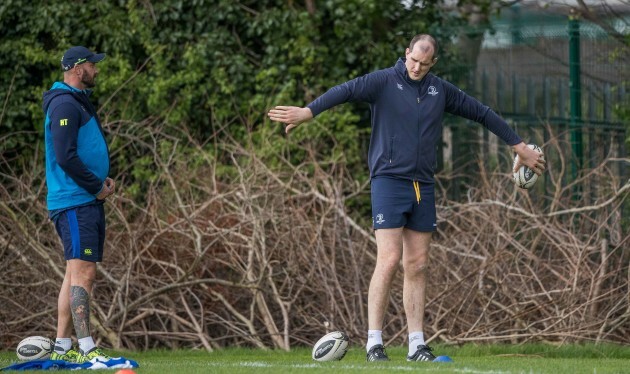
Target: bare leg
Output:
[
  {"x": 64, "y": 317},
  {"x": 81, "y": 281},
  {"x": 415, "y": 261},
  {"x": 389, "y": 252}
]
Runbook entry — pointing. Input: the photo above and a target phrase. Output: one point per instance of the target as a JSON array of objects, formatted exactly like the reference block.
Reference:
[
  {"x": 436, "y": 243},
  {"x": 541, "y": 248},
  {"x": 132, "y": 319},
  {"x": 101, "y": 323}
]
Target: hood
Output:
[{"x": 61, "y": 88}]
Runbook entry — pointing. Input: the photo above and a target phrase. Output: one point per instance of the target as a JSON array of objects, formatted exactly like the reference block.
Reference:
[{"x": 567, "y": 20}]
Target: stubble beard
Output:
[{"x": 87, "y": 80}]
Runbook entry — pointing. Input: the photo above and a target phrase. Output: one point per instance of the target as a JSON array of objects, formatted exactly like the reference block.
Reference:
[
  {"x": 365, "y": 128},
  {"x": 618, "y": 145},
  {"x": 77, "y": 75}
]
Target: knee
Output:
[
  {"x": 83, "y": 275},
  {"x": 416, "y": 267},
  {"x": 388, "y": 265},
  {"x": 88, "y": 274}
]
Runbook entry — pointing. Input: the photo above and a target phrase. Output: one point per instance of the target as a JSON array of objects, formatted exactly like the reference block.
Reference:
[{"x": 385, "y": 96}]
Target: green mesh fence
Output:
[{"x": 521, "y": 68}]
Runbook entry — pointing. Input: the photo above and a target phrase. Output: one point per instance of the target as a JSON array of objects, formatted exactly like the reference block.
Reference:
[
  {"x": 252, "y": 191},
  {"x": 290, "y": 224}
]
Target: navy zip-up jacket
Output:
[
  {"x": 77, "y": 157},
  {"x": 407, "y": 119}
]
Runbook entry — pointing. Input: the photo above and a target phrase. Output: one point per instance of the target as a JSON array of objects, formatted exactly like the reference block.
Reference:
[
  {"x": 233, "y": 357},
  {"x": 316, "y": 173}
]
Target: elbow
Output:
[{"x": 64, "y": 163}]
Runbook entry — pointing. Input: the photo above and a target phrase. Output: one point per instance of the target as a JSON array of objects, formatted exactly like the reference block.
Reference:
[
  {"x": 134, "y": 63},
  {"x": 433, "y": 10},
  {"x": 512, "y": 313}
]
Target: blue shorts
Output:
[
  {"x": 395, "y": 203},
  {"x": 82, "y": 232}
]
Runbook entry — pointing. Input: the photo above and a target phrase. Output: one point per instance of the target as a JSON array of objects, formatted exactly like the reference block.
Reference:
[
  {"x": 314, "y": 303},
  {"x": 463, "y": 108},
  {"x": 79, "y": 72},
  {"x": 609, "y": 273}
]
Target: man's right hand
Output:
[
  {"x": 109, "y": 187},
  {"x": 291, "y": 115}
]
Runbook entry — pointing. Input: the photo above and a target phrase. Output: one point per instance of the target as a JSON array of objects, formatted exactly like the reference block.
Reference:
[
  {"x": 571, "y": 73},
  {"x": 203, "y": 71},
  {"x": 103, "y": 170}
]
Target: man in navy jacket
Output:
[
  {"x": 77, "y": 169},
  {"x": 408, "y": 105}
]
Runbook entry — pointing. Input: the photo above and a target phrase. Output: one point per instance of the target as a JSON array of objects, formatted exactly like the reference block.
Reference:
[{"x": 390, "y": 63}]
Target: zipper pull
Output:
[{"x": 418, "y": 100}]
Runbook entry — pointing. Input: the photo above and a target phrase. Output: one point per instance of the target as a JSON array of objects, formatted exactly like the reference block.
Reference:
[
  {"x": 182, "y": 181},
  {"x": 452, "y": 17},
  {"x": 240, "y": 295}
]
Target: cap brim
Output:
[{"x": 98, "y": 57}]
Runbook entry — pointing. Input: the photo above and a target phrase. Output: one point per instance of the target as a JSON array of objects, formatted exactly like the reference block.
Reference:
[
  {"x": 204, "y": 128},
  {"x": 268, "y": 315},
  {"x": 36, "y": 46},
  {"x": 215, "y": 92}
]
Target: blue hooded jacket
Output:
[
  {"x": 77, "y": 157},
  {"x": 407, "y": 119}
]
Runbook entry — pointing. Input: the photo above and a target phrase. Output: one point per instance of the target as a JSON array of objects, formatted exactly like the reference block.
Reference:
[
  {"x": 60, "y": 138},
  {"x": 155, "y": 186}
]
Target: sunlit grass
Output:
[{"x": 533, "y": 358}]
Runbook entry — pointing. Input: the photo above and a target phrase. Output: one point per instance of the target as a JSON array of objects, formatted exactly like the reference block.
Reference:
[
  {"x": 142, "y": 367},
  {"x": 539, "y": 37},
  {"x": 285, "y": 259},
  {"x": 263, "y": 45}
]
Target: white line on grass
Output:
[{"x": 410, "y": 367}]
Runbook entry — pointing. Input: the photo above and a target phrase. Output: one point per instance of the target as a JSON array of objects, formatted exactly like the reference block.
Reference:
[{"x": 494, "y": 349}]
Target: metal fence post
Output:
[{"x": 575, "y": 94}]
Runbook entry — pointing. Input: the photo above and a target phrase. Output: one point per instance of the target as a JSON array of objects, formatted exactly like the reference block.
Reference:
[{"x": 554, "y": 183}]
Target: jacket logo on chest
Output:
[
  {"x": 399, "y": 86},
  {"x": 432, "y": 91}
]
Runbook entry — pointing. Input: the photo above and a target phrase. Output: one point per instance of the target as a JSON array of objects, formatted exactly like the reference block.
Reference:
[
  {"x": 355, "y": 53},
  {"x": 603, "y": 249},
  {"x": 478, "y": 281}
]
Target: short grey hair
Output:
[{"x": 428, "y": 38}]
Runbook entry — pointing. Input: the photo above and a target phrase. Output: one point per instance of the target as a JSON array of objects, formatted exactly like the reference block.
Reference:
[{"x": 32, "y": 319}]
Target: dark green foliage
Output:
[{"x": 209, "y": 66}]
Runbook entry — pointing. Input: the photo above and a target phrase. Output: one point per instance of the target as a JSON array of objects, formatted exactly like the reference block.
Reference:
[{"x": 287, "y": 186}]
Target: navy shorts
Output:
[
  {"x": 395, "y": 203},
  {"x": 82, "y": 232}
]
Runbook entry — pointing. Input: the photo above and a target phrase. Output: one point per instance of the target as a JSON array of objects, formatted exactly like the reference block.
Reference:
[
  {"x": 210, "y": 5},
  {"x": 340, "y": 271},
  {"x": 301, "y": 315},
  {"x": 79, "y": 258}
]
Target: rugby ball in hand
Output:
[
  {"x": 331, "y": 347},
  {"x": 525, "y": 177},
  {"x": 35, "y": 348}
]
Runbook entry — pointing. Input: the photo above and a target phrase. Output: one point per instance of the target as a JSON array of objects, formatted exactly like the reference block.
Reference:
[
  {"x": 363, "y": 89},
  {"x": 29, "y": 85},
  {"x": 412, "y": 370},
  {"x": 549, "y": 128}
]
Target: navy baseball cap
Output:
[{"x": 78, "y": 55}]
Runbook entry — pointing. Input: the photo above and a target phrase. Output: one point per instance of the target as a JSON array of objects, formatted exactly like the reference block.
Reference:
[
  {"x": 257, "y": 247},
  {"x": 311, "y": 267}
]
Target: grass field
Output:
[{"x": 494, "y": 359}]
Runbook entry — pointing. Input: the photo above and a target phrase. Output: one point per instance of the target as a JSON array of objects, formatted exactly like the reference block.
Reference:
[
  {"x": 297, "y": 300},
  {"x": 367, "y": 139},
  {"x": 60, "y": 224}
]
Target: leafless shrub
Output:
[{"x": 219, "y": 248}]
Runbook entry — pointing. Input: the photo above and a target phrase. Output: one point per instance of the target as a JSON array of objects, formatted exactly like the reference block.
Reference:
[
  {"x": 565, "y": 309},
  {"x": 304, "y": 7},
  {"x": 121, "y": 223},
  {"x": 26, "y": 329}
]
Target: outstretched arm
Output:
[
  {"x": 365, "y": 88},
  {"x": 459, "y": 103},
  {"x": 292, "y": 116}
]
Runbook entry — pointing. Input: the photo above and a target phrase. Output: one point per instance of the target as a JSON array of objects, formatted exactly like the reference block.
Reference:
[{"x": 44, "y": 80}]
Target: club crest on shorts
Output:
[{"x": 379, "y": 219}]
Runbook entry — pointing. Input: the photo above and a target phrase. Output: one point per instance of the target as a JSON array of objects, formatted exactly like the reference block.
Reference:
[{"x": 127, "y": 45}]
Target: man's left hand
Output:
[{"x": 530, "y": 158}]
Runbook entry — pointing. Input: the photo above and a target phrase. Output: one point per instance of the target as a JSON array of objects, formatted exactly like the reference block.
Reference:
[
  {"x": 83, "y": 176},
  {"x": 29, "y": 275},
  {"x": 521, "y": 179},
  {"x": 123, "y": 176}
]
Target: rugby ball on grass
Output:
[
  {"x": 525, "y": 177},
  {"x": 331, "y": 347},
  {"x": 34, "y": 348}
]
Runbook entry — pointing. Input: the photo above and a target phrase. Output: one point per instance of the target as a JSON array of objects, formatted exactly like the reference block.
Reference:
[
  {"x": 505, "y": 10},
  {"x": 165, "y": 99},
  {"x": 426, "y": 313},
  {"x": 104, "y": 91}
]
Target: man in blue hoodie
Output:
[
  {"x": 408, "y": 105},
  {"x": 77, "y": 169}
]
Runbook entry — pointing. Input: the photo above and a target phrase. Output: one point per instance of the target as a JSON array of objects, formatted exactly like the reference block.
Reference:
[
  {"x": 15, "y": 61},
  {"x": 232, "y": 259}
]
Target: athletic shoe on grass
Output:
[
  {"x": 92, "y": 354},
  {"x": 377, "y": 353},
  {"x": 423, "y": 353},
  {"x": 70, "y": 356}
]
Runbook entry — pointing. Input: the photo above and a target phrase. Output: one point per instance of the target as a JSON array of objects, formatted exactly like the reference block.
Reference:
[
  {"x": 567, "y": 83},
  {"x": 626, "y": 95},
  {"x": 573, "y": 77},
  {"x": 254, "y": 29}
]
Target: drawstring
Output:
[{"x": 416, "y": 187}]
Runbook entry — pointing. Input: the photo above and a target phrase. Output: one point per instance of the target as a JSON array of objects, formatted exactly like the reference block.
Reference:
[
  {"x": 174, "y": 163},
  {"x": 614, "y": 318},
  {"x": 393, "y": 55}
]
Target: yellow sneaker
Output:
[
  {"x": 92, "y": 354},
  {"x": 70, "y": 356}
]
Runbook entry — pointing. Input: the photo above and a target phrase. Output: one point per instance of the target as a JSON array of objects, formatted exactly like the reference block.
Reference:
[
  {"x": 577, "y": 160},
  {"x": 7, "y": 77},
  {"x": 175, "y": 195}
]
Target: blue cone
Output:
[{"x": 443, "y": 359}]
